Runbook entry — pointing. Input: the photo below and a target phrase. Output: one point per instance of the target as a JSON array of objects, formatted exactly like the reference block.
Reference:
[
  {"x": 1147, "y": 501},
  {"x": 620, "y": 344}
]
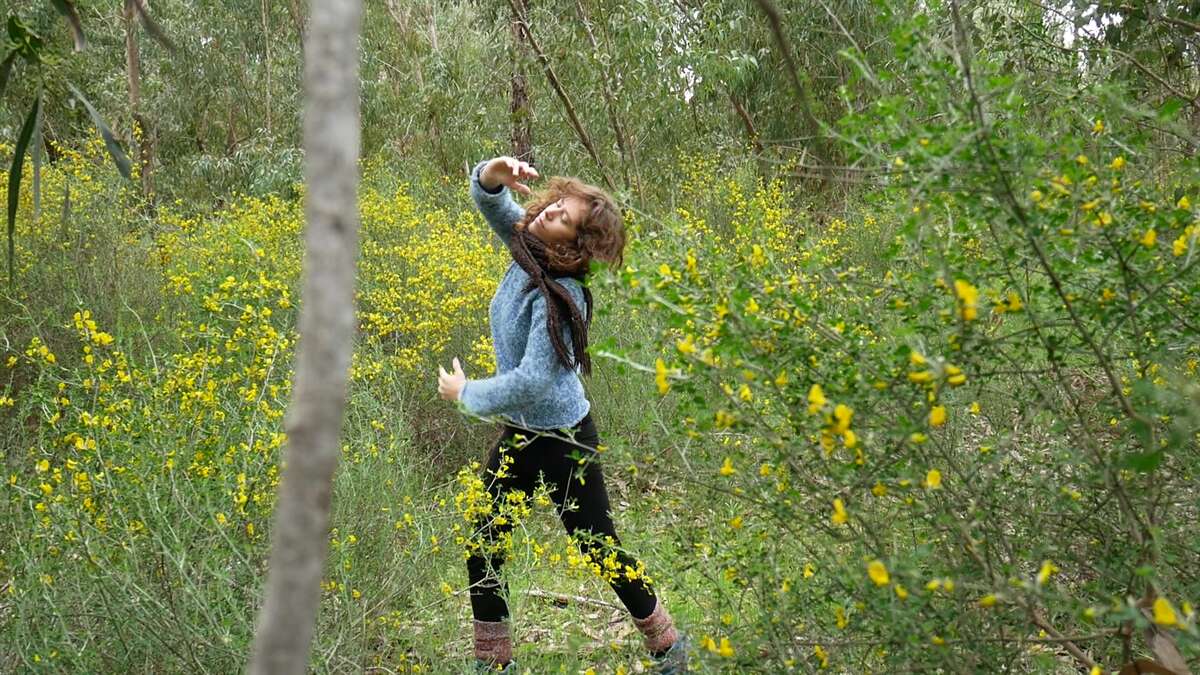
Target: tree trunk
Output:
[
  {"x": 747, "y": 121},
  {"x": 266, "y": 20},
  {"x": 138, "y": 127},
  {"x": 300, "y": 534},
  {"x": 522, "y": 113}
]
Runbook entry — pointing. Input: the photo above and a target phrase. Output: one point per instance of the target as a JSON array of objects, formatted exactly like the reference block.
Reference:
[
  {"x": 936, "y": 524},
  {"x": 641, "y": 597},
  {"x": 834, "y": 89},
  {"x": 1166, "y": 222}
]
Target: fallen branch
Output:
[{"x": 562, "y": 599}]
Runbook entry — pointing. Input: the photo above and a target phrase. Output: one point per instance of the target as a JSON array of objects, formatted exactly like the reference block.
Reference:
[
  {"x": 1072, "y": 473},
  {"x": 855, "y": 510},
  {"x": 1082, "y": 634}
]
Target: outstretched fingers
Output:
[{"x": 521, "y": 171}]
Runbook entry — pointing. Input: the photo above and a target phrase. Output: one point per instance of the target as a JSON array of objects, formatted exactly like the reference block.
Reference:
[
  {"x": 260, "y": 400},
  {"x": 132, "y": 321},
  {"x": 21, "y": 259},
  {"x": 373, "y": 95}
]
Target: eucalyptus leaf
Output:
[
  {"x": 152, "y": 26},
  {"x": 110, "y": 142},
  {"x": 14, "y": 181},
  {"x": 36, "y": 151}
]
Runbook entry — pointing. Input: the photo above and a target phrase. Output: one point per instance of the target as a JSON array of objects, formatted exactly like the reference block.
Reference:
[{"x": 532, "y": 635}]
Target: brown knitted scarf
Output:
[{"x": 532, "y": 255}]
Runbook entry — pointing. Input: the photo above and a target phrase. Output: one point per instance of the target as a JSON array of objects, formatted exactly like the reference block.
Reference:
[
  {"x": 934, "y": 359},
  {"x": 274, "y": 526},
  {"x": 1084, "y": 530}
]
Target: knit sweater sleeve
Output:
[
  {"x": 499, "y": 209},
  {"x": 534, "y": 375}
]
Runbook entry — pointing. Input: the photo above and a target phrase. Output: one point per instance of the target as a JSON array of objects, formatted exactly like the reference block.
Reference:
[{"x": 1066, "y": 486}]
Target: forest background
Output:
[{"x": 900, "y": 373}]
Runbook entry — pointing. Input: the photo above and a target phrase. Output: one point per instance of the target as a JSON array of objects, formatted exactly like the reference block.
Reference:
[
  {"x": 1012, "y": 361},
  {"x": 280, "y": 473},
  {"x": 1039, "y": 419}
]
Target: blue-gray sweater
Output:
[{"x": 531, "y": 387}]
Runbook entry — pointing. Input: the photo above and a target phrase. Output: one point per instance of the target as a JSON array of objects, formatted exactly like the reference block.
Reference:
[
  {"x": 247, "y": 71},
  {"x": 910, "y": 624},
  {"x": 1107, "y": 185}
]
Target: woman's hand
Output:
[
  {"x": 450, "y": 385},
  {"x": 507, "y": 171}
]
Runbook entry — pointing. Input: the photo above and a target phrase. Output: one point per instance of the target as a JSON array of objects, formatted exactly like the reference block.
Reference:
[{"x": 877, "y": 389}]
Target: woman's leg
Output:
[
  {"x": 582, "y": 499},
  {"x": 505, "y": 471}
]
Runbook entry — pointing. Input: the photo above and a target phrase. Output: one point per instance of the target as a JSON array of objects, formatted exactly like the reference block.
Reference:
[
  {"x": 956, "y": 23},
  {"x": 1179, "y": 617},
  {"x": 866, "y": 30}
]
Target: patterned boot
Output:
[
  {"x": 663, "y": 641},
  {"x": 493, "y": 647}
]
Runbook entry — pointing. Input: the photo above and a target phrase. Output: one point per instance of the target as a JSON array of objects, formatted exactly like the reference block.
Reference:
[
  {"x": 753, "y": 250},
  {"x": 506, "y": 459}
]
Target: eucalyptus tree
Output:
[{"x": 300, "y": 538}]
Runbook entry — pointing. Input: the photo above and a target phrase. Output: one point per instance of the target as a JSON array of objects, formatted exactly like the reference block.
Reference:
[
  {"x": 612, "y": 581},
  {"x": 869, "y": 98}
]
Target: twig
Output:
[
  {"x": 562, "y": 95},
  {"x": 562, "y": 598},
  {"x": 776, "y": 21}
]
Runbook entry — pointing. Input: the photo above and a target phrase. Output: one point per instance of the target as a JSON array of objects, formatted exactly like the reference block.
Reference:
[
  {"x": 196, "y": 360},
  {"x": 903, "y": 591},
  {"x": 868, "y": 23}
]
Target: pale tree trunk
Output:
[
  {"x": 519, "y": 107},
  {"x": 133, "y": 77},
  {"x": 300, "y": 533}
]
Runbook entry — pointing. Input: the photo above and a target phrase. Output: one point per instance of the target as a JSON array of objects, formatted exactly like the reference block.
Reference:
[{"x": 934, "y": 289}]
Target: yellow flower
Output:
[
  {"x": 821, "y": 655},
  {"x": 727, "y": 468},
  {"x": 1082, "y": 160},
  {"x": 1164, "y": 613},
  {"x": 955, "y": 376},
  {"x": 901, "y": 592},
  {"x": 933, "y": 479},
  {"x": 968, "y": 296},
  {"x": 921, "y": 377},
  {"x": 1048, "y": 568},
  {"x": 660, "y": 376},
  {"x": 724, "y": 649},
  {"x": 686, "y": 345},
  {"x": 915, "y": 358},
  {"x": 1149, "y": 238},
  {"x": 937, "y": 416},
  {"x": 878, "y": 573},
  {"x": 1098, "y": 127},
  {"x": 1179, "y": 246},
  {"x": 745, "y": 394},
  {"x": 1184, "y": 203},
  {"x": 816, "y": 399},
  {"x": 988, "y": 600},
  {"x": 842, "y": 415},
  {"x": 849, "y": 439},
  {"x": 879, "y": 489},
  {"x": 839, "y": 516},
  {"x": 1117, "y": 164}
]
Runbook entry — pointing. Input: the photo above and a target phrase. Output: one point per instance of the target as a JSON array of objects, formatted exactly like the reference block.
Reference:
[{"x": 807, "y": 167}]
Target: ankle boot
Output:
[
  {"x": 658, "y": 629},
  {"x": 493, "y": 642}
]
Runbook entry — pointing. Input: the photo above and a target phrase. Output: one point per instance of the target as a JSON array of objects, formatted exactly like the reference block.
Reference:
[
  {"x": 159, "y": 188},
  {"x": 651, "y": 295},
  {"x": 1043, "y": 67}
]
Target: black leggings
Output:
[{"x": 576, "y": 484}]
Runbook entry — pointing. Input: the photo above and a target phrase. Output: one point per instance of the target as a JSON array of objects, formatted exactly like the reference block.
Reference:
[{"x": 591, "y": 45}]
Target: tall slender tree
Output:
[{"x": 300, "y": 538}]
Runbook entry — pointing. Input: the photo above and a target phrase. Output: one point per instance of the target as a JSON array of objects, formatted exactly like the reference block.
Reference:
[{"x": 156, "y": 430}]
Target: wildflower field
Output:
[
  {"x": 885, "y": 459},
  {"x": 929, "y": 402}
]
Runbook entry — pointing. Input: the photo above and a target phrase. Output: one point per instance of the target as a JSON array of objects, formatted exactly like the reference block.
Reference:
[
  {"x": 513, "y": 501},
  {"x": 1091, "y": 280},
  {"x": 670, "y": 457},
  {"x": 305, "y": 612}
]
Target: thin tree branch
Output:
[
  {"x": 562, "y": 95},
  {"x": 776, "y": 21}
]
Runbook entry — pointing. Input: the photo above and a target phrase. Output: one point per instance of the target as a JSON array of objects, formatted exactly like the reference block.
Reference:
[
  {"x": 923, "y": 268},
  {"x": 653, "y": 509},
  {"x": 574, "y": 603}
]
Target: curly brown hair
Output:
[{"x": 601, "y": 235}]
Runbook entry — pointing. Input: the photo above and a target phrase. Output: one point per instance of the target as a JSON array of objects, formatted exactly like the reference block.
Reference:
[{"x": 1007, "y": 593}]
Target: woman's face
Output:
[{"x": 559, "y": 221}]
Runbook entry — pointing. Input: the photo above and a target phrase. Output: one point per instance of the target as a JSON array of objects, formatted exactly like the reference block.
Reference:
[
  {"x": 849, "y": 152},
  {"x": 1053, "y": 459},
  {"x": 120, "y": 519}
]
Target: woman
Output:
[{"x": 540, "y": 317}]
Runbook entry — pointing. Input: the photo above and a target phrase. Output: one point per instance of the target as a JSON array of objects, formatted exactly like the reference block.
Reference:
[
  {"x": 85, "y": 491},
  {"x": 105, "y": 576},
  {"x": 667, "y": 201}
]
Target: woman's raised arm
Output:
[{"x": 491, "y": 184}]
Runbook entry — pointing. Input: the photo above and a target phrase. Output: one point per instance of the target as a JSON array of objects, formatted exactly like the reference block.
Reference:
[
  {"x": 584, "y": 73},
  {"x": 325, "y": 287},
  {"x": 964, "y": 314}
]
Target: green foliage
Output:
[{"x": 930, "y": 405}]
